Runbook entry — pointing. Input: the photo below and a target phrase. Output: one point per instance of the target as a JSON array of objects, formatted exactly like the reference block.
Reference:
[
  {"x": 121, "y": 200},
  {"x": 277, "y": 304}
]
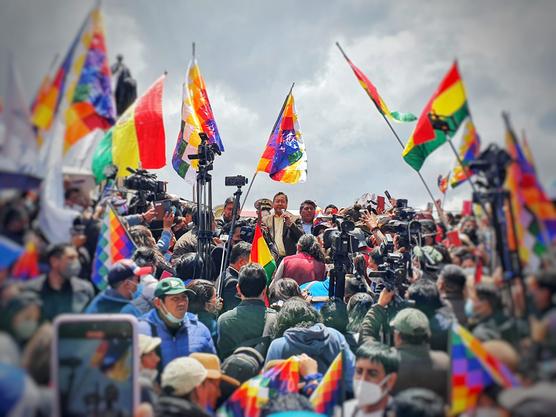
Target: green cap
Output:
[
  {"x": 411, "y": 322},
  {"x": 170, "y": 286}
]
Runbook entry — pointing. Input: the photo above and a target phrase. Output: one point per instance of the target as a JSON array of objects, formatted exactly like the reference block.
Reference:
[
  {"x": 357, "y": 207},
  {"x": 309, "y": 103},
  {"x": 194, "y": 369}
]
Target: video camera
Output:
[
  {"x": 149, "y": 189},
  {"x": 338, "y": 238}
]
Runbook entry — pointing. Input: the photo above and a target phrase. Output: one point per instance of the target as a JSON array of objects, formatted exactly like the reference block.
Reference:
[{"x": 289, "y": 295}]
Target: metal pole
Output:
[
  {"x": 247, "y": 193},
  {"x": 438, "y": 208}
]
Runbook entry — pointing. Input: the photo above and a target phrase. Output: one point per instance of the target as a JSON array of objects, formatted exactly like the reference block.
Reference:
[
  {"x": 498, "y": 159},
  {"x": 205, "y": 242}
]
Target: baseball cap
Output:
[
  {"x": 411, "y": 322},
  {"x": 126, "y": 269},
  {"x": 147, "y": 344},
  {"x": 243, "y": 364},
  {"x": 170, "y": 286},
  {"x": 182, "y": 375},
  {"x": 212, "y": 364}
]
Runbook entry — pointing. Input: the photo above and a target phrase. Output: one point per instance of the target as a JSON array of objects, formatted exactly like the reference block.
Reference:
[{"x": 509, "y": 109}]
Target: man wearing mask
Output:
[
  {"x": 281, "y": 225},
  {"x": 181, "y": 332},
  {"x": 123, "y": 286},
  {"x": 376, "y": 372},
  {"x": 60, "y": 290}
]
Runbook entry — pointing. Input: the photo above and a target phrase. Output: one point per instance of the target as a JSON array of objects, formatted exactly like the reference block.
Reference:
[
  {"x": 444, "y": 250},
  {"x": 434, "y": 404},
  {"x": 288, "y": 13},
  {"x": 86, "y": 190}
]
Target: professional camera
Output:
[
  {"x": 347, "y": 242},
  {"x": 393, "y": 272},
  {"x": 235, "y": 181},
  {"x": 142, "y": 180}
]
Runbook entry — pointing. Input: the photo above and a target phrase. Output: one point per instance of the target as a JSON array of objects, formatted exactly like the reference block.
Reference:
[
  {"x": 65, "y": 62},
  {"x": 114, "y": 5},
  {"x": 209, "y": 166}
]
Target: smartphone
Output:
[
  {"x": 161, "y": 208},
  {"x": 388, "y": 196},
  {"x": 380, "y": 204},
  {"x": 95, "y": 365}
]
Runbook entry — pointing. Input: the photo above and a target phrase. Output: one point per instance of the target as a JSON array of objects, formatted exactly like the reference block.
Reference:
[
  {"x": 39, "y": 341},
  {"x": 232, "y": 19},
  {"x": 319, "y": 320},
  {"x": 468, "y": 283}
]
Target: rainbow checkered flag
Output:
[
  {"x": 473, "y": 370},
  {"x": 254, "y": 393},
  {"x": 330, "y": 392},
  {"x": 113, "y": 244}
]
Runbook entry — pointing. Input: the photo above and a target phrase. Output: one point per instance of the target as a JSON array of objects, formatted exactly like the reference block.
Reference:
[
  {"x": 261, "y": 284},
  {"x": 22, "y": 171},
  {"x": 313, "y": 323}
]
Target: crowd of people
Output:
[{"x": 201, "y": 337}]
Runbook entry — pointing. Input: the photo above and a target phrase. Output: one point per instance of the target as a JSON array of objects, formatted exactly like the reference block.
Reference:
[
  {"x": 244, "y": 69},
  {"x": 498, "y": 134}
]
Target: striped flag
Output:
[
  {"x": 196, "y": 117},
  {"x": 260, "y": 253},
  {"x": 371, "y": 90},
  {"x": 284, "y": 157},
  {"x": 439, "y": 120},
  {"x": 137, "y": 139},
  {"x": 113, "y": 244}
]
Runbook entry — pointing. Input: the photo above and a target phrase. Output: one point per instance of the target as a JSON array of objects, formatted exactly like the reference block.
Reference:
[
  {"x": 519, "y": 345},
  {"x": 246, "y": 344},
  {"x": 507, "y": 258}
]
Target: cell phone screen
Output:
[
  {"x": 380, "y": 204},
  {"x": 95, "y": 368}
]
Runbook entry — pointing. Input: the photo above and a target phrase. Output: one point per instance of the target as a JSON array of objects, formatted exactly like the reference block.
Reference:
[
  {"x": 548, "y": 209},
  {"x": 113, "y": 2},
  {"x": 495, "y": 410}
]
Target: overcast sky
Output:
[{"x": 250, "y": 52}]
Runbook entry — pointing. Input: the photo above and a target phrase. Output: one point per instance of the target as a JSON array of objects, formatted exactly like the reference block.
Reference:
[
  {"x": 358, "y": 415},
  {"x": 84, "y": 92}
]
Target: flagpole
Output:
[
  {"x": 247, "y": 193},
  {"x": 438, "y": 208},
  {"x": 460, "y": 162}
]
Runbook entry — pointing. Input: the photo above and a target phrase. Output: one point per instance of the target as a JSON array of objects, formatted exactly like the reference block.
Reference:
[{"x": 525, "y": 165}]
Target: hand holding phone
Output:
[{"x": 95, "y": 365}]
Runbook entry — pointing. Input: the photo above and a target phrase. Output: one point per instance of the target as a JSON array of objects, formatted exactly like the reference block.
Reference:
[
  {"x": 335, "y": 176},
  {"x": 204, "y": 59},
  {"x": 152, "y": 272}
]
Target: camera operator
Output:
[
  {"x": 226, "y": 216},
  {"x": 188, "y": 242}
]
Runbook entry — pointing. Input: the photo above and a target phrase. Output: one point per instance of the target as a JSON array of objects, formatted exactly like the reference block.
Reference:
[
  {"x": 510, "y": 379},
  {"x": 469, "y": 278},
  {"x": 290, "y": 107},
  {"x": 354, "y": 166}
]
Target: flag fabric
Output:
[
  {"x": 329, "y": 393},
  {"x": 284, "y": 157},
  {"x": 371, "y": 90},
  {"x": 10, "y": 251},
  {"x": 442, "y": 183},
  {"x": 535, "y": 214},
  {"x": 260, "y": 253},
  {"x": 90, "y": 101},
  {"x": 27, "y": 266},
  {"x": 253, "y": 394},
  {"x": 113, "y": 244},
  {"x": 473, "y": 370},
  {"x": 196, "y": 117},
  {"x": 468, "y": 152},
  {"x": 83, "y": 83},
  {"x": 137, "y": 140},
  {"x": 439, "y": 120}
]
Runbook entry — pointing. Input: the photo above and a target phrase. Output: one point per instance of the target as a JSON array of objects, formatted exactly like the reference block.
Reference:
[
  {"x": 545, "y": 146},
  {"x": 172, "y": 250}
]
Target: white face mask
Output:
[
  {"x": 369, "y": 393},
  {"x": 150, "y": 374}
]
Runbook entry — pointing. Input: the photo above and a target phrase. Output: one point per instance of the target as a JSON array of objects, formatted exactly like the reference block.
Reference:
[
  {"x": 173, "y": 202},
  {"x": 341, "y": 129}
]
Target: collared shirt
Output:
[
  {"x": 277, "y": 231},
  {"x": 307, "y": 228}
]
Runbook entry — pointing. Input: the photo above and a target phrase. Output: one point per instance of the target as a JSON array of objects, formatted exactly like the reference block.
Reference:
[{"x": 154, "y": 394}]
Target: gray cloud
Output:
[{"x": 251, "y": 51}]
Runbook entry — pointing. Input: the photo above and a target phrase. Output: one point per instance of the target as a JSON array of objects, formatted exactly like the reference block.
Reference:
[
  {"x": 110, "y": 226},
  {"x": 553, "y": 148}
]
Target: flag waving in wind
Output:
[
  {"x": 83, "y": 80},
  {"x": 260, "y": 253},
  {"x": 371, "y": 90},
  {"x": 196, "y": 117},
  {"x": 137, "y": 138},
  {"x": 284, "y": 157},
  {"x": 439, "y": 121}
]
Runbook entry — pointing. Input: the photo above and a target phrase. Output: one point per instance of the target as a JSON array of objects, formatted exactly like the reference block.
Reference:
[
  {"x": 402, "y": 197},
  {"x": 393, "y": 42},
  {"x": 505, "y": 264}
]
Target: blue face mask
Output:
[
  {"x": 138, "y": 291},
  {"x": 469, "y": 308}
]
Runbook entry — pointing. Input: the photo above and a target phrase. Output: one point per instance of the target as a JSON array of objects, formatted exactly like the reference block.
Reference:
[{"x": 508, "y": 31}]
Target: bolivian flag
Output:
[
  {"x": 439, "y": 121},
  {"x": 260, "y": 254},
  {"x": 137, "y": 140}
]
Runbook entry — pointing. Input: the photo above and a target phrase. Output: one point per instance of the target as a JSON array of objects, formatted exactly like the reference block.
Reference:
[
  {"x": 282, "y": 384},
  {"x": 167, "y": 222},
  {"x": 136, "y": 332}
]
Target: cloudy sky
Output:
[{"x": 251, "y": 51}]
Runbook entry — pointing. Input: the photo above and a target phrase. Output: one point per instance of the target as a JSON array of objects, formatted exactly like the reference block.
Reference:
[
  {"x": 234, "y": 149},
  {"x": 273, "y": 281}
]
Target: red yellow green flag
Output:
[
  {"x": 439, "y": 121},
  {"x": 137, "y": 137},
  {"x": 260, "y": 253}
]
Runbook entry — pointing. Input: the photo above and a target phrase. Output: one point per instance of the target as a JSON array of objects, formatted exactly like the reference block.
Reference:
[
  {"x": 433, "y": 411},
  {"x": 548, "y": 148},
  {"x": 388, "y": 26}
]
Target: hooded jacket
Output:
[
  {"x": 319, "y": 342},
  {"x": 108, "y": 301}
]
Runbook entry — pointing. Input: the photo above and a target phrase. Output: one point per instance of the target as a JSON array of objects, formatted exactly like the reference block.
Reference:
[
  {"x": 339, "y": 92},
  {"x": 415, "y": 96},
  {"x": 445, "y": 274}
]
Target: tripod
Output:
[
  {"x": 228, "y": 247},
  {"x": 205, "y": 156}
]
